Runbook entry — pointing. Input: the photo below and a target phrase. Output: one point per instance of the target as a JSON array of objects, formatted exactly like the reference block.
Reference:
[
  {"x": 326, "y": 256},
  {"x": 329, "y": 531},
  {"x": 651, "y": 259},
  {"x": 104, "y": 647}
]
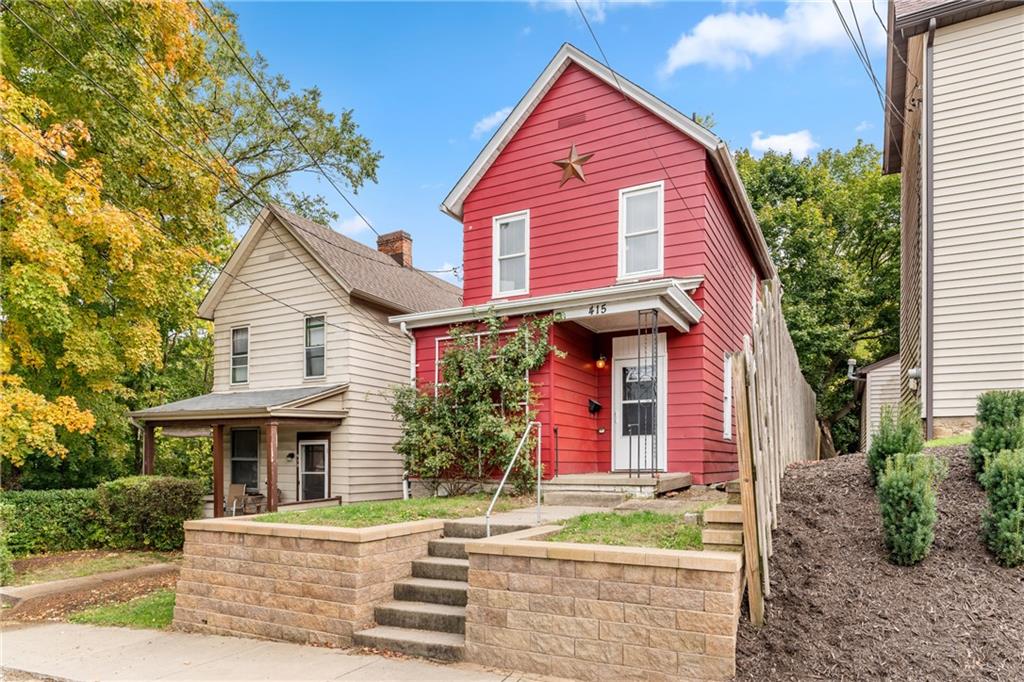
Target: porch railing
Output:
[{"x": 508, "y": 470}]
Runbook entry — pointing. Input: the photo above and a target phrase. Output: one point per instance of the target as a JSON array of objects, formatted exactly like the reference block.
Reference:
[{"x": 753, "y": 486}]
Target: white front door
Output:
[
  {"x": 313, "y": 470},
  {"x": 639, "y": 397}
]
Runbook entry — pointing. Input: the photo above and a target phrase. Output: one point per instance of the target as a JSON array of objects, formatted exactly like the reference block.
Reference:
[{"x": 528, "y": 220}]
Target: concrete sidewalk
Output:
[{"x": 83, "y": 653}]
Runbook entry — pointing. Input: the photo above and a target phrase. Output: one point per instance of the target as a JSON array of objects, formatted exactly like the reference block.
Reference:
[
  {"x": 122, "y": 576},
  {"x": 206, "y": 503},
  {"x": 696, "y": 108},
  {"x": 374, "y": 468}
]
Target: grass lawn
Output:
[
  {"x": 155, "y": 610},
  {"x": 47, "y": 567},
  {"x": 635, "y": 529},
  {"x": 949, "y": 441},
  {"x": 363, "y": 514}
]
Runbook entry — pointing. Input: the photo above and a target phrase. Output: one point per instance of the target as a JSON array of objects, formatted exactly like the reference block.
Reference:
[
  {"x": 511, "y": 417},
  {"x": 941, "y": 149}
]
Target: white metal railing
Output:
[{"x": 508, "y": 470}]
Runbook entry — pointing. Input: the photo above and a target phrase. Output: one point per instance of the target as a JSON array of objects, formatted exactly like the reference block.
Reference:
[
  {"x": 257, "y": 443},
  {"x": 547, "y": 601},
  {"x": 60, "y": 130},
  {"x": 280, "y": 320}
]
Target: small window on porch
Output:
[
  {"x": 245, "y": 449},
  {"x": 315, "y": 341},
  {"x": 511, "y": 245},
  {"x": 240, "y": 355},
  {"x": 641, "y": 230}
]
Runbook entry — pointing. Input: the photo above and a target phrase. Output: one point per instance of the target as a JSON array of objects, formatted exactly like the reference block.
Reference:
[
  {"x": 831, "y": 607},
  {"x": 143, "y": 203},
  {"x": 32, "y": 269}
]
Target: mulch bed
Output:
[{"x": 840, "y": 610}]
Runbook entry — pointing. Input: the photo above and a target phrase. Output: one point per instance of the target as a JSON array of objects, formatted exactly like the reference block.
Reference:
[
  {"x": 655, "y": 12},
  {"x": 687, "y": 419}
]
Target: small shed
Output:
[{"x": 881, "y": 386}]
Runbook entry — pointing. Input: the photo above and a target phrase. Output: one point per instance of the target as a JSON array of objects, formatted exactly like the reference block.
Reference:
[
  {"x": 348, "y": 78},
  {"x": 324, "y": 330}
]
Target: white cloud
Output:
[
  {"x": 799, "y": 144},
  {"x": 733, "y": 40},
  {"x": 490, "y": 122},
  {"x": 864, "y": 125},
  {"x": 596, "y": 10},
  {"x": 352, "y": 226}
]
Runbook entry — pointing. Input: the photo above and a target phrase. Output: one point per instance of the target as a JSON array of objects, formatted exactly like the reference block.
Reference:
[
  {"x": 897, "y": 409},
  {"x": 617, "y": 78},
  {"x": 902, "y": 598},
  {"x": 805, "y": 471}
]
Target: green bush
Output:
[
  {"x": 147, "y": 512},
  {"x": 1000, "y": 426},
  {"x": 1004, "y": 520},
  {"x": 897, "y": 432},
  {"x": 6, "y": 559},
  {"x": 906, "y": 496},
  {"x": 53, "y": 520}
]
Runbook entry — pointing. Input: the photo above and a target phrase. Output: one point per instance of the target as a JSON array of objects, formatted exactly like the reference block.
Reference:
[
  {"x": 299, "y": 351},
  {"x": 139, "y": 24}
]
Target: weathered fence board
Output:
[{"x": 776, "y": 426}]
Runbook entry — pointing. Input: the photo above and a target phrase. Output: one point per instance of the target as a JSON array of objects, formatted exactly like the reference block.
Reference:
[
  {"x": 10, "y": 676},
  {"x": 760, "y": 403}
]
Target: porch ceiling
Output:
[{"x": 604, "y": 309}]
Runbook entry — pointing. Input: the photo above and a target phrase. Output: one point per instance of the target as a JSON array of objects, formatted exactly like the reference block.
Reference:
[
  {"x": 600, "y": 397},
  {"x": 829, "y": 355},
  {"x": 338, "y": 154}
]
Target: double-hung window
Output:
[
  {"x": 511, "y": 246},
  {"x": 240, "y": 355},
  {"x": 245, "y": 449},
  {"x": 315, "y": 341},
  {"x": 641, "y": 230}
]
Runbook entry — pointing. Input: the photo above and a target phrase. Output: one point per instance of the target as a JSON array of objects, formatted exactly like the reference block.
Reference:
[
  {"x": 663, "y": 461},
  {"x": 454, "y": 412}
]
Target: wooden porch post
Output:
[
  {"x": 218, "y": 470},
  {"x": 271, "y": 466},
  {"x": 149, "y": 450}
]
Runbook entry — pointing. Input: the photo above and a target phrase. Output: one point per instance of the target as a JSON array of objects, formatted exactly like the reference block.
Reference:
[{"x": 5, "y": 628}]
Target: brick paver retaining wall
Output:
[
  {"x": 594, "y": 612},
  {"x": 306, "y": 584}
]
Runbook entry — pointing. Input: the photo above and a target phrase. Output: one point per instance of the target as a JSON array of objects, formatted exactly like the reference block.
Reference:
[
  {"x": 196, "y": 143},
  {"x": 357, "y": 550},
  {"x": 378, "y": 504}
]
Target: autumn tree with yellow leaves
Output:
[{"x": 132, "y": 140}]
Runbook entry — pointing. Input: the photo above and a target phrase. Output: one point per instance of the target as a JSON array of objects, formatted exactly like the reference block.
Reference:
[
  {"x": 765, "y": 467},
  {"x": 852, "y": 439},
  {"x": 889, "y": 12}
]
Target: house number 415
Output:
[{"x": 599, "y": 309}]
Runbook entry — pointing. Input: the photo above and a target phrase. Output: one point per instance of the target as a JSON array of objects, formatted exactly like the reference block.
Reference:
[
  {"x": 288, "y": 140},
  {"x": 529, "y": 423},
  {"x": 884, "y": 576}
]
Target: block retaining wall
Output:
[
  {"x": 306, "y": 584},
  {"x": 594, "y": 612}
]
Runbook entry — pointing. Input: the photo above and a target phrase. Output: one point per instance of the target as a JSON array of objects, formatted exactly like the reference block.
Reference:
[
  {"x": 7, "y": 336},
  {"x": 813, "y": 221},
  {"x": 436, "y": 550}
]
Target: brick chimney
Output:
[{"x": 398, "y": 245}]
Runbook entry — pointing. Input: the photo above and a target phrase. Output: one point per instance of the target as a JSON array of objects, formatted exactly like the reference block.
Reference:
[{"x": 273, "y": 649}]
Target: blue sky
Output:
[{"x": 429, "y": 81}]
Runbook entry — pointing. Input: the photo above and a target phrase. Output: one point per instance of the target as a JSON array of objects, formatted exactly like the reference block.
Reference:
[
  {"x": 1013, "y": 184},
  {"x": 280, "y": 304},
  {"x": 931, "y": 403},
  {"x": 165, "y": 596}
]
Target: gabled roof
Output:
[
  {"x": 361, "y": 271},
  {"x": 242, "y": 403},
  {"x": 568, "y": 54},
  {"x": 909, "y": 18},
  {"x": 878, "y": 364}
]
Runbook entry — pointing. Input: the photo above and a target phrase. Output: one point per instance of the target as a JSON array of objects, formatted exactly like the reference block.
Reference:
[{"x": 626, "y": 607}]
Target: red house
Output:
[{"x": 600, "y": 202}]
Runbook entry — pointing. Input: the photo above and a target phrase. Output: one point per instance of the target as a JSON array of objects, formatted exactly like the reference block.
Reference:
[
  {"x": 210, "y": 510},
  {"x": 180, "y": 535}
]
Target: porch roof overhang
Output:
[
  {"x": 605, "y": 309},
  {"x": 288, "y": 404}
]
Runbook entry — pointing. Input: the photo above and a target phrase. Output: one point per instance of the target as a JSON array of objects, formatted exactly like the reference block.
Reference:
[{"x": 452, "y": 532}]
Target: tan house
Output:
[
  {"x": 955, "y": 129},
  {"x": 303, "y": 360},
  {"x": 880, "y": 384}
]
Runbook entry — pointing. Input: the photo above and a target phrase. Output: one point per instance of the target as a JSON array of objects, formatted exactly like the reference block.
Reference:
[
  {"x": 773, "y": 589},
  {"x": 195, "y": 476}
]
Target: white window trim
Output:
[
  {"x": 727, "y": 397},
  {"x": 305, "y": 320},
  {"x": 495, "y": 256},
  {"x": 659, "y": 187},
  {"x": 231, "y": 354}
]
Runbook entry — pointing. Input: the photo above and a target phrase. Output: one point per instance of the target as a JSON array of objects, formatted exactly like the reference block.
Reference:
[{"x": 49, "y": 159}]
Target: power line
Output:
[{"x": 284, "y": 120}]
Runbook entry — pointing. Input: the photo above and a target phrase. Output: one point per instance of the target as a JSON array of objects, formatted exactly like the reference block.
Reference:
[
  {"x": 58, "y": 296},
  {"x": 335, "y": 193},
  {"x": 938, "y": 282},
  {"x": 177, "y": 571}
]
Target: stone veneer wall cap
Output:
[{"x": 312, "y": 532}]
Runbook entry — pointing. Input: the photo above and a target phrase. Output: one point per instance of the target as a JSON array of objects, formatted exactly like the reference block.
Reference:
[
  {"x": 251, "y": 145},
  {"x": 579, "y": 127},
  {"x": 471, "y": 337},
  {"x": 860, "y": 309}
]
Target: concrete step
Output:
[
  {"x": 584, "y": 498},
  {"x": 452, "y": 548},
  {"x": 726, "y": 513},
  {"x": 451, "y": 592},
  {"x": 445, "y": 646},
  {"x": 419, "y": 615},
  {"x": 476, "y": 529},
  {"x": 441, "y": 568}
]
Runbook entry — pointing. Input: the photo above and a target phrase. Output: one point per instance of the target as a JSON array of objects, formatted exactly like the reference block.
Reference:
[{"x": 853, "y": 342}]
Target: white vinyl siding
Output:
[
  {"x": 978, "y": 219},
  {"x": 641, "y": 230},
  {"x": 511, "y": 247},
  {"x": 360, "y": 349},
  {"x": 882, "y": 387}
]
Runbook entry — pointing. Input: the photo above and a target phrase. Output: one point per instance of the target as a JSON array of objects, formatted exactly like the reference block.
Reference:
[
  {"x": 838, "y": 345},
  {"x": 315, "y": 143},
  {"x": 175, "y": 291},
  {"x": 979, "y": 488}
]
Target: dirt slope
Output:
[{"x": 840, "y": 610}]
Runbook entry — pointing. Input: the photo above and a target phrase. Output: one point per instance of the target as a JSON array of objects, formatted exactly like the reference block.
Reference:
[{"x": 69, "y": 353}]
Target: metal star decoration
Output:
[{"x": 572, "y": 166}]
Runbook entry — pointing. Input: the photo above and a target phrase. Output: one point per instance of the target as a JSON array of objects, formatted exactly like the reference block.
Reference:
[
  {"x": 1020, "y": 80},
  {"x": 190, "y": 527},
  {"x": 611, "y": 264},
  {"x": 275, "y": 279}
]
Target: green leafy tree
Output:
[
  {"x": 470, "y": 429},
  {"x": 832, "y": 226}
]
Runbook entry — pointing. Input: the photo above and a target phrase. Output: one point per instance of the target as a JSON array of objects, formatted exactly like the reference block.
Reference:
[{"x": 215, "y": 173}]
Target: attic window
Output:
[
  {"x": 641, "y": 230},
  {"x": 511, "y": 247},
  {"x": 240, "y": 355},
  {"x": 315, "y": 346}
]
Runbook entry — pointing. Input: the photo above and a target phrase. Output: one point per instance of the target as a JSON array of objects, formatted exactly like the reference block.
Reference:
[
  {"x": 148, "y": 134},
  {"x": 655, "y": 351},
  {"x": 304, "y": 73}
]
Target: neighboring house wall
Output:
[
  {"x": 881, "y": 387},
  {"x": 978, "y": 169},
  {"x": 910, "y": 221}
]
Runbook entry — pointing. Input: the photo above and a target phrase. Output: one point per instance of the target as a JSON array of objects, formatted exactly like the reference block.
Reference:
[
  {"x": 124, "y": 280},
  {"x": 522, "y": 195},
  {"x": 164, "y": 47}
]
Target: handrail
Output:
[{"x": 508, "y": 470}]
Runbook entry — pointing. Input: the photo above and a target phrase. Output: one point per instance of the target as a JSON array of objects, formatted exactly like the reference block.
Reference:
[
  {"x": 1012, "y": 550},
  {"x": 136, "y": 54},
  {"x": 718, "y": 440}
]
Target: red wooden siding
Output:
[
  {"x": 574, "y": 246},
  {"x": 574, "y": 229}
]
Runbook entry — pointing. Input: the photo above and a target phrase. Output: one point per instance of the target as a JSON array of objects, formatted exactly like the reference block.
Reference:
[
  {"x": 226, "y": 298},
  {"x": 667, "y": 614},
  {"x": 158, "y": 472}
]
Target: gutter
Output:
[{"x": 929, "y": 221}]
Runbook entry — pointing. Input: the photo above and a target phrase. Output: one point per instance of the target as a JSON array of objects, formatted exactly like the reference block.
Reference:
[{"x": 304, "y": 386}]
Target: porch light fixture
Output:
[
  {"x": 291, "y": 456},
  {"x": 593, "y": 407},
  {"x": 601, "y": 362}
]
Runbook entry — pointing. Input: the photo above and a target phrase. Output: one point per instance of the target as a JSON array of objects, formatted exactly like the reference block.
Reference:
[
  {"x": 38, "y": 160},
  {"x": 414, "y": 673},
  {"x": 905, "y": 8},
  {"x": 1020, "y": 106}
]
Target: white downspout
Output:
[{"x": 412, "y": 381}]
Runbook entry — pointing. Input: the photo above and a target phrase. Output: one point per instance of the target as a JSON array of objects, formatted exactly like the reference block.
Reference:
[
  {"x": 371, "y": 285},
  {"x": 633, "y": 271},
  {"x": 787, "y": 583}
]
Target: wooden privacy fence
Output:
[{"x": 776, "y": 426}]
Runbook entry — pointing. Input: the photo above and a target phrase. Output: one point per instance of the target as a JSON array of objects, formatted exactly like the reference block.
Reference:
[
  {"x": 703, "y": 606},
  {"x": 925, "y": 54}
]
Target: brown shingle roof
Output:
[{"x": 368, "y": 272}]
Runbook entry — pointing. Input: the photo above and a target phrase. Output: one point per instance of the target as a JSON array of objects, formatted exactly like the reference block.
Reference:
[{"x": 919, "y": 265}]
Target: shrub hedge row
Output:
[
  {"x": 6, "y": 559},
  {"x": 1000, "y": 427},
  {"x": 1003, "y": 523},
  {"x": 138, "y": 512}
]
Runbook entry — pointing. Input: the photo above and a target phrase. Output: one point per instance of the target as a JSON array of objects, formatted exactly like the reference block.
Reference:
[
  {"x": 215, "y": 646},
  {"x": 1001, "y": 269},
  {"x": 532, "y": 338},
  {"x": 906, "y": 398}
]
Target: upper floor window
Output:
[
  {"x": 315, "y": 327},
  {"x": 641, "y": 230},
  {"x": 511, "y": 248},
  {"x": 240, "y": 355}
]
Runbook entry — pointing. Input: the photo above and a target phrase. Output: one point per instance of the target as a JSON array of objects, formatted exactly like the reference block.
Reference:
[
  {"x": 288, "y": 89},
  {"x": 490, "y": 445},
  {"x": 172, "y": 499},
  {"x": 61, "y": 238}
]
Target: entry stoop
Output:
[{"x": 621, "y": 483}]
